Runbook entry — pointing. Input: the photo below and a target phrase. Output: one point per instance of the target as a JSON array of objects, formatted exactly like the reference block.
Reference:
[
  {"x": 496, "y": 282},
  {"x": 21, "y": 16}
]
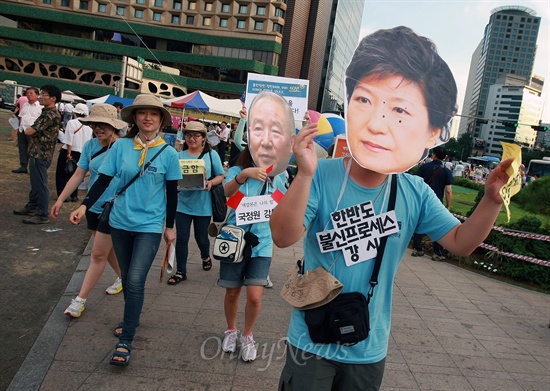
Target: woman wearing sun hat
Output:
[
  {"x": 106, "y": 126},
  {"x": 76, "y": 135},
  {"x": 140, "y": 213},
  {"x": 195, "y": 206}
]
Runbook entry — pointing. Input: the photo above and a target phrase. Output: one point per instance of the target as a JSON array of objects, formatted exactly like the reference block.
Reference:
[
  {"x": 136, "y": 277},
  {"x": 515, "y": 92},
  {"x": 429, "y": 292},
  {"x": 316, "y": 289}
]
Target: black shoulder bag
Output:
[
  {"x": 106, "y": 212},
  {"x": 345, "y": 320},
  {"x": 219, "y": 206}
]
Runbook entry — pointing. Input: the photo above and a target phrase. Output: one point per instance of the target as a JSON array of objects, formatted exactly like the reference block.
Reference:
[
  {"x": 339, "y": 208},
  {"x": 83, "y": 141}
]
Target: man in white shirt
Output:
[{"x": 28, "y": 113}]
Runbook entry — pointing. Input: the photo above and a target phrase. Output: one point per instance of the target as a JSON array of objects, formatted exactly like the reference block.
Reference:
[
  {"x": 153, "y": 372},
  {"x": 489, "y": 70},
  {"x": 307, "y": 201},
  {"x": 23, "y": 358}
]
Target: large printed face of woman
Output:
[
  {"x": 388, "y": 128},
  {"x": 270, "y": 133}
]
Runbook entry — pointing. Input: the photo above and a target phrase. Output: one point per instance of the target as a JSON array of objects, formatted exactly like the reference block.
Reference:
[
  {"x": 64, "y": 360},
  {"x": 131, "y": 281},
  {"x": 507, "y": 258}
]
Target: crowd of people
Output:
[{"x": 400, "y": 98}]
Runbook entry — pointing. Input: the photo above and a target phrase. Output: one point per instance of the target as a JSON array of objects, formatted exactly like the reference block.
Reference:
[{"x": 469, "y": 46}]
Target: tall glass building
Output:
[{"x": 508, "y": 47}]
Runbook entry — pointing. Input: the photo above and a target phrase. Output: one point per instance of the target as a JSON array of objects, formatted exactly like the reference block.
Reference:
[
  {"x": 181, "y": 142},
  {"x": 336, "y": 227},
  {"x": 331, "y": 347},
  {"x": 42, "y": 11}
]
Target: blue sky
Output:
[{"x": 456, "y": 27}]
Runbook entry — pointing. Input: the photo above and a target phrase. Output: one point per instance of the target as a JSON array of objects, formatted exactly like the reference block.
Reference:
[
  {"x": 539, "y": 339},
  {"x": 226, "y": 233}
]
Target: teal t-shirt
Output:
[
  {"x": 251, "y": 188},
  {"x": 199, "y": 202},
  {"x": 86, "y": 162},
  {"x": 142, "y": 206},
  {"x": 417, "y": 210}
]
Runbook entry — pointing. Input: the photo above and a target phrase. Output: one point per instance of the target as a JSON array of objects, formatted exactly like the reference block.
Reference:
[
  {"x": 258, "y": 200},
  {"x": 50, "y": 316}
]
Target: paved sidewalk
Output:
[{"x": 452, "y": 330}]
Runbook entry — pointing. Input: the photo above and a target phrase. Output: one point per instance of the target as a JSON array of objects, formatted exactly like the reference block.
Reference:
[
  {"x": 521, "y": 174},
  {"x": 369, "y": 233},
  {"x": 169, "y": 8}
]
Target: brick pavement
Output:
[{"x": 451, "y": 330}]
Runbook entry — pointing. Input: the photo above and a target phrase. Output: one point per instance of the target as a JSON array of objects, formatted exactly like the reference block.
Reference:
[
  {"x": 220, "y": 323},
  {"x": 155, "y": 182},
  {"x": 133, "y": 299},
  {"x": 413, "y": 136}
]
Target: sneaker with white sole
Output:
[
  {"x": 269, "y": 283},
  {"x": 115, "y": 288},
  {"x": 76, "y": 308},
  {"x": 248, "y": 348},
  {"x": 229, "y": 344}
]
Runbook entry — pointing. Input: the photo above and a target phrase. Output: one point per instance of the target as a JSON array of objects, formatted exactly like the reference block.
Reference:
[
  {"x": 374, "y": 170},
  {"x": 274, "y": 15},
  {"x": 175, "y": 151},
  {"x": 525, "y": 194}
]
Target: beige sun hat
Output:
[
  {"x": 195, "y": 126},
  {"x": 104, "y": 113},
  {"x": 146, "y": 101}
]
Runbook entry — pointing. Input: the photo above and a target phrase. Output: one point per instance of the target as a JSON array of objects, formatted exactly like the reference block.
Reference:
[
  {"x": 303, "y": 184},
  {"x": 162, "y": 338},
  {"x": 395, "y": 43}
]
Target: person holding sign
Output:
[
  {"x": 249, "y": 180},
  {"x": 401, "y": 95},
  {"x": 143, "y": 212},
  {"x": 195, "y": 206}
]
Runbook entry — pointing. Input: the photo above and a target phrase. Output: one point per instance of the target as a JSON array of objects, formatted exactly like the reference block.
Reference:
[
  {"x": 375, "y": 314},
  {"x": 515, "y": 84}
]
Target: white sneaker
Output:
[
  {"x": 229, "y": 344},
  {"x": 248, "y": 348},
  {"x": 115, "y": 288},
  {"x": 76, "y": 308},
  {"x": 269, "y": 283}
]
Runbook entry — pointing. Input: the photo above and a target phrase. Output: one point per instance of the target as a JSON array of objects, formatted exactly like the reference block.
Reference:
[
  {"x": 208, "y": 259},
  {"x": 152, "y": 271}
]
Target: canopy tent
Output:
[
  {"x": 69, "y": 96},
  {"x": 203, "y": 102},
  {"x": 110, "y": 99}
]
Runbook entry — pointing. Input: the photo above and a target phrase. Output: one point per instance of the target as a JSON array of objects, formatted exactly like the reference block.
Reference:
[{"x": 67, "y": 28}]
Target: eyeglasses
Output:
[
  {"x": 193, "y": 136},
  {"x": 101, "y": 126},
  {"x": 41, "y": 94}
]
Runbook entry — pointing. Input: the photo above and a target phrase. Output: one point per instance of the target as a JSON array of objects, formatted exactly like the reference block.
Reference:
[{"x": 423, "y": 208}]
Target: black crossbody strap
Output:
[
  {"x": 211, "y": 166},
  {"x": 381, "y": 248},
  {"x": 139, "y": 172}
]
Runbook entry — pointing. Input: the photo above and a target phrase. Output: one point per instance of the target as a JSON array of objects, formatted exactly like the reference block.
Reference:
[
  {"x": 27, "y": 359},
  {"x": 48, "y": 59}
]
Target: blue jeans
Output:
[
  {"x": 135, "y": 252},
  {"x": 183, "y": 231}
]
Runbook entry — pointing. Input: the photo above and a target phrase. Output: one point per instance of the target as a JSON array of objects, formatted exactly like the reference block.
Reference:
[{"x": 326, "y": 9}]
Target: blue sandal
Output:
[{"x": 123, "y": 355}]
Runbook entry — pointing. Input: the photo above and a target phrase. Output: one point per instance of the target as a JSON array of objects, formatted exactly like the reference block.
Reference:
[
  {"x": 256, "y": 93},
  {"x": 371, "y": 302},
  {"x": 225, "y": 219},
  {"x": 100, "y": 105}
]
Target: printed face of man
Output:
[
  {"x": 269, "y": 137},
  {"x": 388, "y": 128}
]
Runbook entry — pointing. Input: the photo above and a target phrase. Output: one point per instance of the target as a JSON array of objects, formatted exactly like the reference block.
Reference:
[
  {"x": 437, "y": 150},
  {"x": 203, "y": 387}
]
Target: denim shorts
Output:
[
  {"x": 93, "y": 223},
  {"x": 247, "y": 272}
]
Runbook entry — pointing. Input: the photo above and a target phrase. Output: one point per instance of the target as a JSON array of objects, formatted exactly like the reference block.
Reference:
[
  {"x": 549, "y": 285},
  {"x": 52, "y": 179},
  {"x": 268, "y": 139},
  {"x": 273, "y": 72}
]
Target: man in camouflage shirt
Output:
[{"x": 43, "y": 137}]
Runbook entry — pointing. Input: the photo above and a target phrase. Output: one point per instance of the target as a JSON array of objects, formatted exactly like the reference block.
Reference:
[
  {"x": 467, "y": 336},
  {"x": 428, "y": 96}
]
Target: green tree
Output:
[{"x": 459, "y": 149}]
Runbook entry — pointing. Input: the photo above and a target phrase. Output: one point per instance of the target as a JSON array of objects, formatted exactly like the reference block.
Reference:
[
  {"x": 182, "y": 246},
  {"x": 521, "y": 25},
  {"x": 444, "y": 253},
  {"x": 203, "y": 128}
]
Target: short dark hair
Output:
[
  {"x": 118, "y": 104},
  {"x": 439, "y": 152},
  {"x": 400, "y": 51},
  {"x": 52, "y": 90},
  {"x": 36, "y": 90}
]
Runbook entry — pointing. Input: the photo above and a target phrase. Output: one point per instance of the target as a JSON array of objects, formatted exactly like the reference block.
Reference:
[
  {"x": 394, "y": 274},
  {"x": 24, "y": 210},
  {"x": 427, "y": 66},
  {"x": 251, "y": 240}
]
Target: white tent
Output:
[
  {"x": 69, "y": 96},
  {"x": 203, "y": 102}
]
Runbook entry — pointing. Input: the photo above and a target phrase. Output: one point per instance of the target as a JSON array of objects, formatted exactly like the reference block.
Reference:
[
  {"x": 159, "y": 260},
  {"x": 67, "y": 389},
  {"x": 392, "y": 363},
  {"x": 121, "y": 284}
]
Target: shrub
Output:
[
  {"x": 534, "y": 197},
  {"x": 469, "y": 184}
]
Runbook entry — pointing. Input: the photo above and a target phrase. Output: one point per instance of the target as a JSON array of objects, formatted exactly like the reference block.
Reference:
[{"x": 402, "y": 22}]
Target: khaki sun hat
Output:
[
  {"x": 195, "y": 126},
  {"x": 104, "y": 113},
  {"x": 146, "y": 101}
]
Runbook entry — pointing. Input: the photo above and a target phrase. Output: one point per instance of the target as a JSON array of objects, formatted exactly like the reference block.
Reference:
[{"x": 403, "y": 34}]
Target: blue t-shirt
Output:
[
  {"x": 417, "y": 209},
  {"x": 86, "y": 162},
  {"x": 251, "y": 188},
  {"x": 199, "y": 202},
  {"x": 142, "y": 206}
]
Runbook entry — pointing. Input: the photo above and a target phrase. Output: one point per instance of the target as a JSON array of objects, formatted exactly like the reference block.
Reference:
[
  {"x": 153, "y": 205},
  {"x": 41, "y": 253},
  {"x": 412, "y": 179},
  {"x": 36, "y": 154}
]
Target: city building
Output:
[
  {"x": 507, "y": 47},
  {"x": 514, "y": 104},
  {"x": 321, "y": 49},
  {"x": 211, "y": 44},
  {"x": 185, "y": 45}
]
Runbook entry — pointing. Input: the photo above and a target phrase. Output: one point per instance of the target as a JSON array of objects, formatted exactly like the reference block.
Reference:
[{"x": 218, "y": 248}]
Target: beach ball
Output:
[
  {"x": 325, "y": 136},
  {"x": 336, "y": 122}
]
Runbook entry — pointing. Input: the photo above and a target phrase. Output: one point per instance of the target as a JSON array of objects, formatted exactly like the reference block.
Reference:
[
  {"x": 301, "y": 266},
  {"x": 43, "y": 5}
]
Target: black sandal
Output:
[
  {"x": 207, "y": 265},
  {"x": 124, "y": 355},
  {"x": 177, "y": 278}
]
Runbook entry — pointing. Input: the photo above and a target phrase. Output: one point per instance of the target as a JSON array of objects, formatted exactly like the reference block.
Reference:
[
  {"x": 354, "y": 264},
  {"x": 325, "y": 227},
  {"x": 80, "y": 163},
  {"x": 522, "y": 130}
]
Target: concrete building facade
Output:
[
  {"x": 512, "y": 100},
  {"x": 213, "y": 44}
]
